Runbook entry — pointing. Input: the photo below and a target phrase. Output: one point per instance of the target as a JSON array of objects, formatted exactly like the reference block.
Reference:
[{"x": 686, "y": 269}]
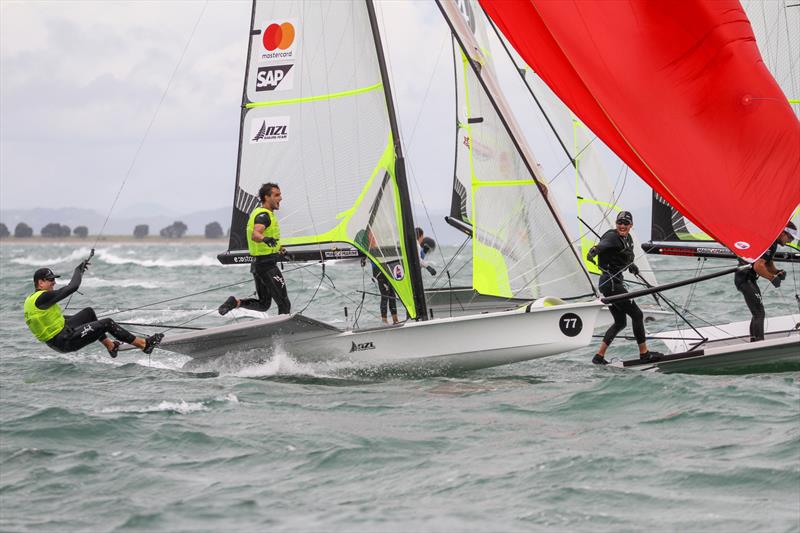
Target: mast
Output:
[
  {"x": 236, "y": 217},
  {"x": 409, "y": 235}
]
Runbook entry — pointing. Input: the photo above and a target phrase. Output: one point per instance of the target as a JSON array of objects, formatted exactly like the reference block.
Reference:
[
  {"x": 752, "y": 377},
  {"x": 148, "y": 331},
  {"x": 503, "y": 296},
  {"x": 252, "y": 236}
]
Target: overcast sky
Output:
[{"x": 80, "y": 83}]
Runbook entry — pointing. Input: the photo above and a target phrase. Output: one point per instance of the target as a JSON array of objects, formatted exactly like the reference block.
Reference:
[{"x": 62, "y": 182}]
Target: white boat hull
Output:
[
  {"x": 458, "y": 343},
  {"x": 728, "y": 349},
  {"x": 771, "y": 355},
  {"x": 682, "y": 340}
]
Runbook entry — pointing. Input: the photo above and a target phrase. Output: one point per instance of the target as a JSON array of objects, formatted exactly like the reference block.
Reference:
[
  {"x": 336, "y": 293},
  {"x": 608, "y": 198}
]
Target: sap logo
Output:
[
  {"x": 271, "y": 78},
  {"x": 269, "y": 130},
  {"x": 362, "y": 346}
]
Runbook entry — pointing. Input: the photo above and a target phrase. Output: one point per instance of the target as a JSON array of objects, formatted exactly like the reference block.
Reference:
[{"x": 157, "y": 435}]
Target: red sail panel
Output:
[{"x": 679, "y": 91}]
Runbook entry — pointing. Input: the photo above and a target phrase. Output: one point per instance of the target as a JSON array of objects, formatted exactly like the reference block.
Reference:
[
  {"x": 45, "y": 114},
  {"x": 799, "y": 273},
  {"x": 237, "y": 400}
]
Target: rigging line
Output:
[
  {"x": 178, "y": 298},
  {"x": 409, "y": 160},
  {"x": 150, "y": 125}
]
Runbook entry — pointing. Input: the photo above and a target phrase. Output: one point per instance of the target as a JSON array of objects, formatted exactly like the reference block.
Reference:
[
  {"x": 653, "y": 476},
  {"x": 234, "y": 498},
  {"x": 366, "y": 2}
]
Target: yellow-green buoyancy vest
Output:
[
  {"x": 272, "y": 231},
  {"x": 43, "y": 323}
]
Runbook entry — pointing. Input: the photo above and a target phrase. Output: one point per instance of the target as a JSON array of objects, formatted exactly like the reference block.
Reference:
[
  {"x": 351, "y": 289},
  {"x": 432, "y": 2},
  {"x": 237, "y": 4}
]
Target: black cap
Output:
[
  {"x": 44, "y": 273},
  {"x": 625, "y": 216}
]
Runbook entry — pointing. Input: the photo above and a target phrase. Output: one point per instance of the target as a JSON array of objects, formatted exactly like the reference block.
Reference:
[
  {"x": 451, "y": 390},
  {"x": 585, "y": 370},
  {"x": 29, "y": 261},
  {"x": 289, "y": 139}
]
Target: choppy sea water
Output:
[{"x": 88, "y": 443}]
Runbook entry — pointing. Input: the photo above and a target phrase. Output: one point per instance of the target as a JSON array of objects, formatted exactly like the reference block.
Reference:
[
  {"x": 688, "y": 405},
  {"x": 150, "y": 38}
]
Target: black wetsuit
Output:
[
  {"x": 269, "y": 281},
  {"x": 615, "y": 255},
  {"x": 82, "y": 328},
  {"x": 745, "y": 281},
  {"x": 388, "y": 298}
]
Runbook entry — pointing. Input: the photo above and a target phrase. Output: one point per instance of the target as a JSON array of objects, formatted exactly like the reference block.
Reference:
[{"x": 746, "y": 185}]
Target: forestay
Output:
[
  {"x": 519, "y": 247},
  {"x": 315, "y": 120}
]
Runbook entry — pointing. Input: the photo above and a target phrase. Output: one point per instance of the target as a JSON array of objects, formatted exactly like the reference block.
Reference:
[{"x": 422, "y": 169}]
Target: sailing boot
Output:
[
  {"x": 151, "y": 342},
  {"x": 650, "y": 357},
  {"x": 227, "y": 306},
  {"x": 599, "y": 359},
  {"x": 114, "y": 350}
]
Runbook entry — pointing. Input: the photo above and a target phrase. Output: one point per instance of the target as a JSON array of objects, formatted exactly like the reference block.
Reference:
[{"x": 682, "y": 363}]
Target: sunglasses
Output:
[{"x": 623, "y": 223}]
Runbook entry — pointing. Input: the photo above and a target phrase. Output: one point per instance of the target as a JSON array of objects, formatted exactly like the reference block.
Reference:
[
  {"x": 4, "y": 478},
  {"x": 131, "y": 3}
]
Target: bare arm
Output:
[
  {"x": 258, "y": 232},
  {"x": 765, "y": 269}
]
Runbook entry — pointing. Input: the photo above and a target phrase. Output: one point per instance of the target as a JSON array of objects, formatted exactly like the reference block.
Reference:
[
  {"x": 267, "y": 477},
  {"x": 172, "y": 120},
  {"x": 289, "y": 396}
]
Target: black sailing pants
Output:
[
  {"x": 83, "y": 328},
  {"x": 388, "y": 298},
  {"x": 270, "y": 286},
  {"x": 609, "y": 286},
  {"x": 752, "y": 297}
]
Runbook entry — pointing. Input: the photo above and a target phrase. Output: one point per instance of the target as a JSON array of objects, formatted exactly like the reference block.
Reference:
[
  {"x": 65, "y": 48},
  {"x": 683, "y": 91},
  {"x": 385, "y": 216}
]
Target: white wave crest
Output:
[
  {"x": 33, "y": 260},
  {"x": 114, "y": 259},
  {"x": 95, "y": 282},
  {"x": 183, "y": 407}
]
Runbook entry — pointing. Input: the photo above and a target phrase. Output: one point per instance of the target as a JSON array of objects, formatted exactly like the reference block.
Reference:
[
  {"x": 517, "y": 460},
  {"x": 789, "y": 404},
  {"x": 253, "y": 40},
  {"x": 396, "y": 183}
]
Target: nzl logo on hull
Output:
[
  {"x": 275, "y": 78},
  {"x": 360, "y": 347},
  {"x": 269, "y": 130}
]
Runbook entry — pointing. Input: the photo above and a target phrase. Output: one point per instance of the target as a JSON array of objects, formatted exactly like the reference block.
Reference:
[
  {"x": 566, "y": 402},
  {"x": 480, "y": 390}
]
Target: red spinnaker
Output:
[{"x": 679, "y": 91}]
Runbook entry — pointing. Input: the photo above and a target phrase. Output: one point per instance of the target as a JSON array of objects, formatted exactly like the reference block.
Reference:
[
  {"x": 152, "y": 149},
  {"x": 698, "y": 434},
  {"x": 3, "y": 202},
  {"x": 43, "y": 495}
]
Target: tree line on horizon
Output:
[{"x": 176, "y": 230}]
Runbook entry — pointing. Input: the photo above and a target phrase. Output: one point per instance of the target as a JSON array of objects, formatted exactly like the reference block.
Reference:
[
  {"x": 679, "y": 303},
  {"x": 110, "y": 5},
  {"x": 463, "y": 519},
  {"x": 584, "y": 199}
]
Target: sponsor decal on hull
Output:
[{"x": 360, "y": 347}]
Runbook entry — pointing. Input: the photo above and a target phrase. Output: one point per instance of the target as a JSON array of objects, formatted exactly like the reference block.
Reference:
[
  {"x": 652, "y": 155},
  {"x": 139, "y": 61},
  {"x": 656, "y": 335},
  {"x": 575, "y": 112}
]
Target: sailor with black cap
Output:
[
  {"x": 68, "y": 334},
  {"x": 615, "y": 255},
  {"x": 745, "y": 280}
]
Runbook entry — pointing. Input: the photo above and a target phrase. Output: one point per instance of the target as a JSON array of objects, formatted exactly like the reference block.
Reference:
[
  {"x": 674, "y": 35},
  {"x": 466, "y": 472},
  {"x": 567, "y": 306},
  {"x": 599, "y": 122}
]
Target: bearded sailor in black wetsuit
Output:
[
  {"x": 68, "y": 334},
  {"x": 263, "y": 242},
  {"x": 615, "y": 255},
  {"x": 745, "y": 281}
]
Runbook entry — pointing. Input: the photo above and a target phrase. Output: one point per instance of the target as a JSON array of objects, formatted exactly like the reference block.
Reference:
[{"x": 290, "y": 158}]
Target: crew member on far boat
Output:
[
  {"x": 615, "y": 255},
  {"x": 425, "y": 245},
  {"x": 264, "y": 244},
  {"x": 68, "y": 334},
  {"x": 745, "y": 281}
]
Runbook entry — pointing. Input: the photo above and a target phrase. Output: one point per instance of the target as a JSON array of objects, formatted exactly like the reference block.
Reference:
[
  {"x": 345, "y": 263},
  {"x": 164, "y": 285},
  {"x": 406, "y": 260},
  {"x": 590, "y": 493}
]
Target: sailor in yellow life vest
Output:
[
  {"x": 263, "y": 242},
  {"x": 68, "y": 334}
]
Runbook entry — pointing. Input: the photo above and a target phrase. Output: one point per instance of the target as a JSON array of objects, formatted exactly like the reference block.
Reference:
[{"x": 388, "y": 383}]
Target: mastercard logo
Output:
[{"x": 278, "y": 36}]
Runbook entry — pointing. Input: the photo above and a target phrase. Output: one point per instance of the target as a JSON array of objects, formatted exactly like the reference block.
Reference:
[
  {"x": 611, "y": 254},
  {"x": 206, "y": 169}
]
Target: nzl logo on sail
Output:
[{"x": 269, "y": 130}]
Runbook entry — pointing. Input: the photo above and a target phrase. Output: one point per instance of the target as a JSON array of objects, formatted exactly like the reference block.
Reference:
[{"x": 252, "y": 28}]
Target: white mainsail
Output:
[{"x": 315, "y": 120}]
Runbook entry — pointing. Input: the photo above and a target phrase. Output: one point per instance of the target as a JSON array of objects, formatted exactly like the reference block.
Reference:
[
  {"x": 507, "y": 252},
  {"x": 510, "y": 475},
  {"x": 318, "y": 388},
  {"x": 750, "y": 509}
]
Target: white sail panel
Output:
[{"x": 519, "y": 247}]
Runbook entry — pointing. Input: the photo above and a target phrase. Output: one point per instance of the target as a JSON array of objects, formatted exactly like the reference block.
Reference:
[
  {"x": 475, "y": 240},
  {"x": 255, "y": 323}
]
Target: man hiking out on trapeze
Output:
[
  {"x": 745, "y": 281},
  {"x": 615, "y": 255},
  {"x": 264, "y": 244},
  {"x": 68, "y": 334}
]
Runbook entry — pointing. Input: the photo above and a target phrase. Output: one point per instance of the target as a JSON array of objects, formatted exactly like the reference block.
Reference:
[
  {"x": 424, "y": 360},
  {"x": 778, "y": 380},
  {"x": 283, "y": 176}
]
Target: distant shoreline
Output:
[{"x": 110, "y": 239}]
